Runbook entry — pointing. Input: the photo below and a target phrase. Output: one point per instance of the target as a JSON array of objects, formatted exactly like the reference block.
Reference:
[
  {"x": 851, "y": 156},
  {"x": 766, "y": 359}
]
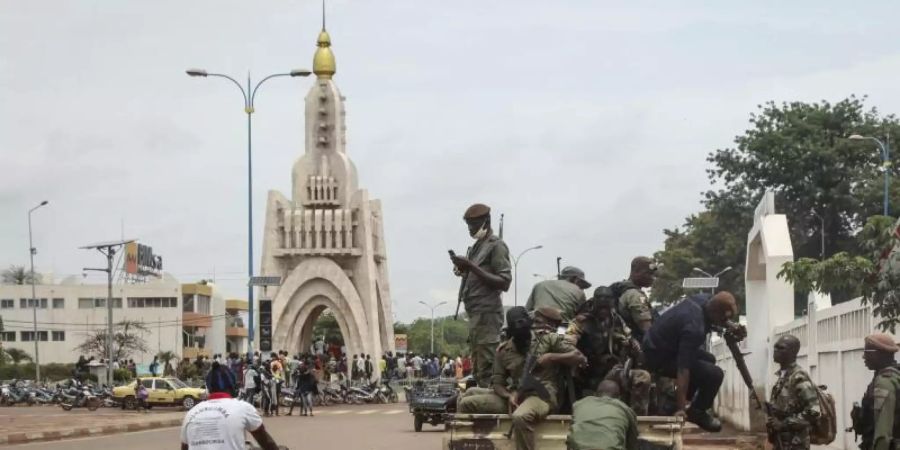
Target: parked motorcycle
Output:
[
  {"x": 77, "y": 397},
  {"x": 15, "y": 393},
  {"x": 371, "y": 393}
]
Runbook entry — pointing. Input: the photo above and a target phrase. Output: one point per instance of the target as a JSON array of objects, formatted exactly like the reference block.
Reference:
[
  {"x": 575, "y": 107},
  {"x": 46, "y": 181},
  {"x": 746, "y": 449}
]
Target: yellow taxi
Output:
[{"x": 162, "y": 391}]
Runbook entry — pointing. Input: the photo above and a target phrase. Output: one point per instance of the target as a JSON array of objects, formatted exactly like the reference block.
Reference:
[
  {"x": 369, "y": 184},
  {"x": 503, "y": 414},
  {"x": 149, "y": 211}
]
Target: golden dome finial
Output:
[{"x": 323, "y": 61}]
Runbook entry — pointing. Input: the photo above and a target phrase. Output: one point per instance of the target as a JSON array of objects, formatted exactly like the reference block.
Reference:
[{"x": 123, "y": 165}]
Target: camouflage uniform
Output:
[
  {"x": 795, "y": 406},
  {"x": 483, "y": 304},
  {"x": 534, "y": 409},
  {"x": 607, "y": 349},
  {"x": 507, "y": 372},
  {"x": 634, "y": 307},
  {"x": 879, "y": 410}
]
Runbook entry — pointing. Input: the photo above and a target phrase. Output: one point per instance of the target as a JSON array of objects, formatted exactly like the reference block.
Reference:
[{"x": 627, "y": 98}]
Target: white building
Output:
[{"x": 188, "y": 319}]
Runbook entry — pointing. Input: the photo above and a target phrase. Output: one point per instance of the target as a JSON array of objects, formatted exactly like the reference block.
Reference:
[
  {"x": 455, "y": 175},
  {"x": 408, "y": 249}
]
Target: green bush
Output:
[{"x": 122, "y": 375}]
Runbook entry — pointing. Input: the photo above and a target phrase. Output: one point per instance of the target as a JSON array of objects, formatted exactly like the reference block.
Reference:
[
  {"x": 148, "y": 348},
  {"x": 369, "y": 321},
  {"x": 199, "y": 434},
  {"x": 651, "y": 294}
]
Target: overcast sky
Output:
[{"x": 585, "y": 122}]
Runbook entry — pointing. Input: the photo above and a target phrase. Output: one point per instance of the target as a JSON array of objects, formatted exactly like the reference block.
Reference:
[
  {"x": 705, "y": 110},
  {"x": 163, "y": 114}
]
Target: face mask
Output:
[{"x": 481, "y": 233}]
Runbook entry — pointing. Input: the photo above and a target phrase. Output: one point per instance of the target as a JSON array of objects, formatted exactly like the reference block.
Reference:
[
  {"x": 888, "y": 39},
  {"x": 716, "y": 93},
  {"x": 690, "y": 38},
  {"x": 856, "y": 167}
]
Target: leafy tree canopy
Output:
[{"x": 800, "y": 151}]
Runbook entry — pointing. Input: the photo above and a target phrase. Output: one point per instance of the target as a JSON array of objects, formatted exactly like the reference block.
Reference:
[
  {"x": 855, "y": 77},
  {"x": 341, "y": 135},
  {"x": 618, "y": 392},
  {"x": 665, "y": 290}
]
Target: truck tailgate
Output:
[{"x": 488, "y": 432}]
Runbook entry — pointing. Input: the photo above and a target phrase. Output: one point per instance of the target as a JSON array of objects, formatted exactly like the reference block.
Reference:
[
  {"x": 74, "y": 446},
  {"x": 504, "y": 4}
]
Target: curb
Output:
[{"x": 25, "y": 438}]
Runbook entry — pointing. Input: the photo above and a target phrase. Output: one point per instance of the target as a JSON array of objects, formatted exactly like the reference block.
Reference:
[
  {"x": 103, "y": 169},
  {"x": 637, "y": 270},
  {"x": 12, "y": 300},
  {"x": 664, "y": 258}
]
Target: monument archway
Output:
[
  {"x": 327, "y": 241},
  {"x": 314, "y": 285}
]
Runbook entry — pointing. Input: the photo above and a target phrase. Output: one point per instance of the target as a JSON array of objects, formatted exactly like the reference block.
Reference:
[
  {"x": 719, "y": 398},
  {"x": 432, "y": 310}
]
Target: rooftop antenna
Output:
[{"x": 323, "y": 14}]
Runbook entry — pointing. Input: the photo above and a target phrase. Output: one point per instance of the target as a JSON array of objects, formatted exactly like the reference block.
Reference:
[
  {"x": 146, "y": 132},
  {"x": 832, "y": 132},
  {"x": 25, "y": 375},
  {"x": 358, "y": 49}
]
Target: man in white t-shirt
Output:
[{"x": 220, "y": 423}]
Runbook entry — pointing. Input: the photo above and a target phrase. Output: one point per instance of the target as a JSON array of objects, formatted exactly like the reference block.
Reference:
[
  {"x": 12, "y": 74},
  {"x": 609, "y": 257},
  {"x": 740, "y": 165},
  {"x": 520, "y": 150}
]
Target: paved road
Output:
[{"x": 363, "y": 427}]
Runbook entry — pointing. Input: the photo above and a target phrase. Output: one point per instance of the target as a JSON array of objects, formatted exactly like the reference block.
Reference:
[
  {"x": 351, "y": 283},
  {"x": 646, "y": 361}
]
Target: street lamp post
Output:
[
  {"x": 432, "y": 320},
  {"x": 249, "y": 102},
  {"x": 516, "y": 272},
  {"x": 31, "y": 252},
  {"x": 885, "y": 165}
]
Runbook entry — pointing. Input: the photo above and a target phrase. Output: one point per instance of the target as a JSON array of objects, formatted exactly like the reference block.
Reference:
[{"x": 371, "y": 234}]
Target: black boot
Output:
[{"x": 704, "y": 420}]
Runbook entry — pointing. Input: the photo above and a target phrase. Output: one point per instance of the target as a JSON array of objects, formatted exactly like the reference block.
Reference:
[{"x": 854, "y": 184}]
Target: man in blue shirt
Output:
[{"x": 673, "y": 347}]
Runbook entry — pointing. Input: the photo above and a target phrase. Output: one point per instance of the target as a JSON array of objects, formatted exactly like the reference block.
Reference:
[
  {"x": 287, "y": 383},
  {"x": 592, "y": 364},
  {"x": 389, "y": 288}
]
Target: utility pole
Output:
[
  {"x": 34, "y": 301},
  {"x": 432, "y": 320}
]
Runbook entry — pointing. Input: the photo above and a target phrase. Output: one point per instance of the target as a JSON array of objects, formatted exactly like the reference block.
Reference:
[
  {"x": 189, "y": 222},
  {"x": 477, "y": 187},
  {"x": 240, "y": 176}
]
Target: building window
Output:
[
  {"x": 59, "y": 336},
  {"x": 8, "y": 336},
  {"x": 30, "y": 302},
  {"x": 152, "y": 302},
  {"x": 88, "y": 303},
  {"x": 28, "y": 336},
  {"x": 59, "y": 303},
  {"x": 202, "y": 304},
  {"x": 7, "y": 303},
  {"x": 188, "y": 304}
]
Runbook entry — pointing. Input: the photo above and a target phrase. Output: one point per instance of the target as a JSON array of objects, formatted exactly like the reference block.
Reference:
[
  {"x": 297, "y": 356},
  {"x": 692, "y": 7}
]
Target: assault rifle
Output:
[
  {"x": 529, "y": 385},
  {"x": 733, "y": 334},
  {"x": 462, "y": 285}
]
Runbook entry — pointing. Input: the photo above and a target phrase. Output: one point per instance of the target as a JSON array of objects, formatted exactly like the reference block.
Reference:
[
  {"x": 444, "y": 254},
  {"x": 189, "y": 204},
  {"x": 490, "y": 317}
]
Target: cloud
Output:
[{"x": 586, "y": 123}]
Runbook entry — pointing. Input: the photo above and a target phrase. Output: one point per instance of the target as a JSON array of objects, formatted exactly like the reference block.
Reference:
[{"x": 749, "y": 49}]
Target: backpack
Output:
[{"x": 824, "y": 429}]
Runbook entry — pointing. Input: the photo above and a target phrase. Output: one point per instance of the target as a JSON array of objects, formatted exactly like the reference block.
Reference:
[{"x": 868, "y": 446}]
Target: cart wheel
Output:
[{"x": 417, "y": 422}]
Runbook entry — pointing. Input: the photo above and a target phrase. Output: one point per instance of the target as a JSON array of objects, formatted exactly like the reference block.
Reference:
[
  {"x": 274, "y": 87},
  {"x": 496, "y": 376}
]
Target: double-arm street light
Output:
[
  {"x": 717, "y": 275},
  {"x": 34, "y": 302},
  {"x": 516, "y": 272},
  {"x": 249, "y": 95},
  {"x": 432, "y": 308},
  {"x": 885, "y": 165}
]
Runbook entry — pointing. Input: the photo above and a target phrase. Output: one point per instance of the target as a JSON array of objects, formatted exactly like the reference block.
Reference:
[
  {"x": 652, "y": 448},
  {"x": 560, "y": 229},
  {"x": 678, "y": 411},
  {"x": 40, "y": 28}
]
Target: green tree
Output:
[
  {"x": 450, "y": 336},
  {"x": 800, "y": 151},
  {"x": 327, "y": 326},
  {"x": 17, "y": 355},
  {"x": 874, "y": 276},
  {"x": 18, "y": 275}
]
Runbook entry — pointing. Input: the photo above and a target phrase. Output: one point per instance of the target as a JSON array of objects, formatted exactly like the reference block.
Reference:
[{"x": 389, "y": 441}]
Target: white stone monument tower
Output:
[{"x": 327, "y": 241}]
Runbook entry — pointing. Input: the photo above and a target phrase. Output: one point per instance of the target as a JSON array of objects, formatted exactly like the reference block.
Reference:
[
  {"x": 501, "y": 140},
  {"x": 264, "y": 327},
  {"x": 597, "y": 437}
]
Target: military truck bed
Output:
[{"x": 488, "y": 432}]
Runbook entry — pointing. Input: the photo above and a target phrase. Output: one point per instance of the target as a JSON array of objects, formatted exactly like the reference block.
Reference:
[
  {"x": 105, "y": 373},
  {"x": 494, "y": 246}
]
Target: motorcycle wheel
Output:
[
  {"x": 417, "y": 422},
  {"x": 66, "y": 407},
  {"x": 394, "y": 397},
  {"x": 92, "y": 404}
]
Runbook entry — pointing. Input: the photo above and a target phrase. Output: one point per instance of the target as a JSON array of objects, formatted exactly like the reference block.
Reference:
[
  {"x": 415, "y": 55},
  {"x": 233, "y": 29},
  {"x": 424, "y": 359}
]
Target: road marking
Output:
[
  {"x": 395, "y": 411},
  {"x": 340, "y": 411},
  {"x": 368, "y": 411}
]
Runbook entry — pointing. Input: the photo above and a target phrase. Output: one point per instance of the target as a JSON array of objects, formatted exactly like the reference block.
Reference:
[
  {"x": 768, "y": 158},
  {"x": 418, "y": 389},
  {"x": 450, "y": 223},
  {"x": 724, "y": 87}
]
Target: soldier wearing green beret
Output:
[
  {"x": 877, "y": 420},
  {"x": 485, "y": 272}
]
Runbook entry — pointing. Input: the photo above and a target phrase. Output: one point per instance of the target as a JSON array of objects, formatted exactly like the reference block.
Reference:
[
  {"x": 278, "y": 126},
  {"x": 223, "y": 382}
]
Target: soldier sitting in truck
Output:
[
  {"x": 603, "y": 422},
  {"x": 507, "y": 370},
  {"x": 603, "y": 338},
  {"x": 548, "y": 355}
]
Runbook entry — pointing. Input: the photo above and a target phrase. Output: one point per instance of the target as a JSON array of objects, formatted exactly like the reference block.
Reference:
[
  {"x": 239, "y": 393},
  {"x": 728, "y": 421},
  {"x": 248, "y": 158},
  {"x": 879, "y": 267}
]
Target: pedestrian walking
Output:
[{"x": 141, "y": 394}]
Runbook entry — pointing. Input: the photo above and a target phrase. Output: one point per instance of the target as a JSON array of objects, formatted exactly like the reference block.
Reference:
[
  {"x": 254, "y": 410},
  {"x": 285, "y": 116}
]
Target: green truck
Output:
[{"x": 489, "y": 432}]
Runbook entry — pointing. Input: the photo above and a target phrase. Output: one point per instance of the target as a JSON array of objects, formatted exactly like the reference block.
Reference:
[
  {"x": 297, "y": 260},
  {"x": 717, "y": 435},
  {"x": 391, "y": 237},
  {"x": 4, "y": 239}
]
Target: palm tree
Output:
[
  {"x": 17, "y": 355},
  {"x": 166, "y": 358},
  {"x": 18, "y": 275}
]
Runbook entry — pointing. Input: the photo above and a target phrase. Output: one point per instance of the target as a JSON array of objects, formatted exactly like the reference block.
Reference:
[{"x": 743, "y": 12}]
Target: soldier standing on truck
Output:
[
  {"x": 565, "y": 294},
  {"x": 603, "y": 422},
  {"x": 508, "y": 364},
  {"x": 876, "y": 419},
  {"x": 602, "y": 337},
  {"x": 548, "y": 355},
  {"x": 485, "y": 272},
  {"x": 794, "y": 403},
  {"x": 633, "y": 304}
]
